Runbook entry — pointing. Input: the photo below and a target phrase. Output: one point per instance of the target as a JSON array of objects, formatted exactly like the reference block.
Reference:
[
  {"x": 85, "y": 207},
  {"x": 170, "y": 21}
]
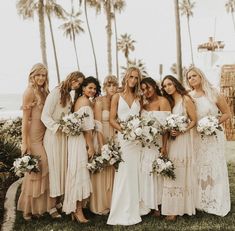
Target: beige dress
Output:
[
  {"x": 78, "y": 184},
  {"x": 55, "y": 142},
  {"x": 178, "y": 195},
  {"x": 34, "y": 197},
  {"x": 102, "y": 182}
]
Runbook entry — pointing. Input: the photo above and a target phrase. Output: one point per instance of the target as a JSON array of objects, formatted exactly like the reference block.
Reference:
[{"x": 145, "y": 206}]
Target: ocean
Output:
[{"x": 10, "y": 105}]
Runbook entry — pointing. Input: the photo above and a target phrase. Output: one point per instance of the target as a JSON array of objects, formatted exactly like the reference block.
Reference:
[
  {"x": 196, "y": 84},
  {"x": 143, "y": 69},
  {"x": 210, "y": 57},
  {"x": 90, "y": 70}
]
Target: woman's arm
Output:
[
  {"x": 28, "y": 99},
  {"x": 224, "y": 108},
  {"x": 191, "y": 111},
  {"x": 113, "y": 113},
  {"x": 98, "y": 119}
]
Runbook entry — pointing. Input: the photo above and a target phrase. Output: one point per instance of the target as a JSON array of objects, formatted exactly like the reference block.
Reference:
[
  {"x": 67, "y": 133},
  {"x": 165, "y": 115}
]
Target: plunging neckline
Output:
[{"x": 127, "y": 103}]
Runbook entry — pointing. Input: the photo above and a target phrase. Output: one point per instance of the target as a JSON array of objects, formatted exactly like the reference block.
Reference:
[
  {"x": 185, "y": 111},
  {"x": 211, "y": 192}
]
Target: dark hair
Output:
[
  {"x": 150, "y": 81},
  {"x": 178, "y": 86},
  {"x": 86, "y": 81}
]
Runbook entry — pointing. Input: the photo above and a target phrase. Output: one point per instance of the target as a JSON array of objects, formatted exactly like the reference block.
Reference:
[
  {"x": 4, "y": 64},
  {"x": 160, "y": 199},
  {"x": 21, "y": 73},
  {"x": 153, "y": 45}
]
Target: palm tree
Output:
[
  {"x": 178, "y": 41},
  {"x": 136, "y": 63},
  {"x": 52, "y": 8},
  {"x": 27, "y": 8},
  {"x": 118, "y": 5},
  {"x": 126, "y": 44},
  {"x": 186, "y": 9},
  {"x": 230, "y": 8},
  {"x": 90, "y": 35},
  {"x": 72, "y": 27}
]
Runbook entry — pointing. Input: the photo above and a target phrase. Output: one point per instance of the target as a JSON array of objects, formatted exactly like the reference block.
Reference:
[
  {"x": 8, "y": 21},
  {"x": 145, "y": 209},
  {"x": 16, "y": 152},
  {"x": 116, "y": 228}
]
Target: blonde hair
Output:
[
  {"x": 210, "y": 91},
  {"x": 39, "y": 91},
  {"x": 65, "y": 86},
  {"x": 110, "y": 79},
  {"x": 137, "y": 91}
]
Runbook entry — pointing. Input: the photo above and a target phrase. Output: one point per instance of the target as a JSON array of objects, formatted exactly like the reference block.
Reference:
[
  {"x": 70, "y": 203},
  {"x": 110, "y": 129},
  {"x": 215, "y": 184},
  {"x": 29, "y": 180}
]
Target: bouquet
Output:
[
  {"x": 132, "y": 128},
  {"x": 208, "y": 125},
  {"x": 27, "y": 163},
  {"x": 151, "y": 128},
  {"x": 71, "y": 124},
  {"x": 110, "y": 155},
  {"x": 176, "y": 122},
  {"x": 164, "y": 167}
]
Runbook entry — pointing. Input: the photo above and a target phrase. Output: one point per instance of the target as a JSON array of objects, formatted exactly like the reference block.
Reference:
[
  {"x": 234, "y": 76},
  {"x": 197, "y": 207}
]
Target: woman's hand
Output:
[
  {"x": 24, "y": 149},
  {"x": 175, "y": 133},
  {"x": 90, "y": 152}
]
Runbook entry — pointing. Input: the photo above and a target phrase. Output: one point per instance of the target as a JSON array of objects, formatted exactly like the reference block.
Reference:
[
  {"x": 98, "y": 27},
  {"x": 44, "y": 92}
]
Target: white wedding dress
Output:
[
  {"x": 125, "y": 199},
  {"x": 212, "y": 184},
  {"x": 151, "y": 185}
]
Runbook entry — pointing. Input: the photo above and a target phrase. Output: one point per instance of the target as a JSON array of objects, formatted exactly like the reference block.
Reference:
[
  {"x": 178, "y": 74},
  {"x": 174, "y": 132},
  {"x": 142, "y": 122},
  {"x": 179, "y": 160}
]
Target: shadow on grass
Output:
[{"x": 201, "y": 221}]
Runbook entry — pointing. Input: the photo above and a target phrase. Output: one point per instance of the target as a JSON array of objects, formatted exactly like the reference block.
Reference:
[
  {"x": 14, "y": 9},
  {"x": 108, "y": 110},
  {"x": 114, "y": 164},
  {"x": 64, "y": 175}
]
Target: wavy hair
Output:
[
  {"x": 178, "y": 86},
  {"x": 40, "y": 92},
  {"x": 110, "y": 79},
  {"x": 65, "y": 86},
  {"x": 125, "y": 80},
  {"x": 88, "y": 80},
  {"x": 150, "y": 81},
  {"x": 210, "y": 91}
]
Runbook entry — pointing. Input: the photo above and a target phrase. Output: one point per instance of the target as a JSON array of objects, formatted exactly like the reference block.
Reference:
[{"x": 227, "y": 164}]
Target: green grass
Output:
[{"x": 201, "y": 221}]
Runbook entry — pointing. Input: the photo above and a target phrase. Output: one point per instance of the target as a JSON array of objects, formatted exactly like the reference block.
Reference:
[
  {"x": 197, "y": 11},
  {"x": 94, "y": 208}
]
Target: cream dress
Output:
[
  {"x": 78, "y": 184},
  {"x": 212, "y": 184},
  {"x": 126, "y": 194},
  {"x": 151, "y": 185},
  {"x": 178, "y": 194},
  {"x": 102, "y": 182},
  {"x": 55, "y": 142}
]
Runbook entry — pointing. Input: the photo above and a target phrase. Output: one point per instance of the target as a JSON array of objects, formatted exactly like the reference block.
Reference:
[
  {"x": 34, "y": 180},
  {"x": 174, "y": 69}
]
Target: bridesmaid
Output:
[
  {"x": 178, "y": 197},
  {"x": 102, "y": 182},
  {"x": 58, "y": 102},
  {"x": 212, "y": 184},
  {"x": 80, "y": 148},
  {"x": 35, "y": 197},
  {"x": 125, "y": 199},
  {"x": 159, "y": 108}
]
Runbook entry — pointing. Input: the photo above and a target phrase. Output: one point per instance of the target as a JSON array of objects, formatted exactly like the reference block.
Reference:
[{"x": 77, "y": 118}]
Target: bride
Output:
[{"x": 125, "y": 200}]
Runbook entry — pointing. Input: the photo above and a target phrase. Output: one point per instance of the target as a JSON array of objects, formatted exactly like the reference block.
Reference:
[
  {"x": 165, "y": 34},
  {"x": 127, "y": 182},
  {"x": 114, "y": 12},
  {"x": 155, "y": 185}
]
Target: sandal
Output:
[
  {"x": 59, "y": 207},
  {"x": 27, "y": 217},
  {"x": 54, "y": 214}
]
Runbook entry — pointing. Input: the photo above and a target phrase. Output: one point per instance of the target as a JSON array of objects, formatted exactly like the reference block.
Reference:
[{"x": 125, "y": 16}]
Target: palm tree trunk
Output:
[
  {"x": 75, "y": 48},
  {"x": 109, "y": 36},
  {"x": 116, "y": 41},
  {"x": 54, "y": 48},
  {"x": 190, "y": 40},
  {"x": 42, "y": 31},
  {"x": 92, "y": 44},
  {"x": 178, "y": 42}
]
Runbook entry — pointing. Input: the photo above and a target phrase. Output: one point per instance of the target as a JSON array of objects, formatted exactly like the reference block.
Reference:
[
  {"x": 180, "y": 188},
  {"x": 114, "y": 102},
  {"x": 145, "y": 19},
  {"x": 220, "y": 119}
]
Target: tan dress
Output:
[
  {"x": 102, "y": 182},
  {"x": 34, "y": 197},
  {"x": 55, "y": 142},
  {"x": 178, "y": 194}
]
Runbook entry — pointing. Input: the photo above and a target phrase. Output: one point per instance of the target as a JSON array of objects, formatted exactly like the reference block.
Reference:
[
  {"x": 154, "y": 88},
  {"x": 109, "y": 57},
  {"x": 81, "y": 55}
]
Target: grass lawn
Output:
[{"x": 201, "y": 221}]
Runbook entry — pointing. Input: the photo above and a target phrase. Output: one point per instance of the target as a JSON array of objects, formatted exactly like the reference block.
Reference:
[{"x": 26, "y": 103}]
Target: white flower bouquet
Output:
[
  {"x": 71, "y": 124},
  {"x": 208, "y": 125},
  {"x": 110, "y": 155},
  {"x": 151, "y": 128},
  {"x": 164, "y": 167},
  {"x": 176, "y": 122},
  {"x": 27, "y": 163},
  {"x": 132, "y": 128}
]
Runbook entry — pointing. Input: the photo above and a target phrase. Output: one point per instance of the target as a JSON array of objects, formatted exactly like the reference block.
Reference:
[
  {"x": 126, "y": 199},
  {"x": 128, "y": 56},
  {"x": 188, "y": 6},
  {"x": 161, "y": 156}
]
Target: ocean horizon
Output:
[{"x": 10, "y": 105}]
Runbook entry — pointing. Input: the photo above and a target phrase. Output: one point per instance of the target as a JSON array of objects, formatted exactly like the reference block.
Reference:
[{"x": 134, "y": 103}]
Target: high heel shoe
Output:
[
  {"x": 76, "y": 217},
  {"x": 27, "y": 217}
]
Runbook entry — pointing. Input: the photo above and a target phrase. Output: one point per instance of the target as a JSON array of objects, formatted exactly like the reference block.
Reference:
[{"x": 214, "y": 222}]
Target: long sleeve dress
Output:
[
  {"x": 78, "y": 185},
  {"x": 55, "y": 142}
]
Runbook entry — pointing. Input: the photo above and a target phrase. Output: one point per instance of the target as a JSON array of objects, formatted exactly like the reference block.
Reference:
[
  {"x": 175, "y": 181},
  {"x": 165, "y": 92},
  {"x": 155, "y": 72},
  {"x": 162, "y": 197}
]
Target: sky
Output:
[{"x": 151, "y": 23}]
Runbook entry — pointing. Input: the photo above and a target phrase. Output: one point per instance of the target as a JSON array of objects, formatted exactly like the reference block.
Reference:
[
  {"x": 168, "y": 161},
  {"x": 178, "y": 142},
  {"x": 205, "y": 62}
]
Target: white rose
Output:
[
  {"x": 26, "y": 159},
  {"x": 138, "y": 131},
  {"x": 112, "y": 161},
  {"x": 30, "y": 167}
]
